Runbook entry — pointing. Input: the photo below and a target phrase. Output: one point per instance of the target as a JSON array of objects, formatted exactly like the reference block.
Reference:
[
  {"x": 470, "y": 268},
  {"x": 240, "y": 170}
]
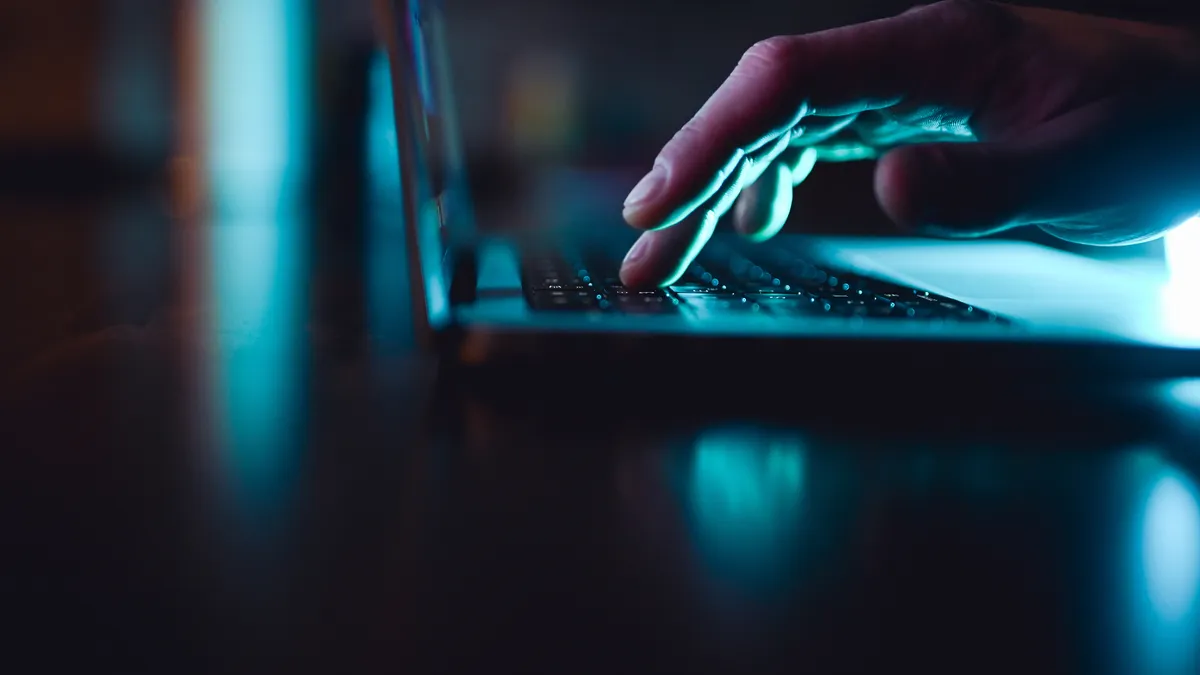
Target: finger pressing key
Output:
[{"x": 660, "y": 256}]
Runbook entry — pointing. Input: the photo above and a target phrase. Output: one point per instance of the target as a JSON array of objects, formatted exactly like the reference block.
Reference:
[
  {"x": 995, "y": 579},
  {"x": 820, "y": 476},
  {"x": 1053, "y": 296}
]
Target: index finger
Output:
[{"x": 922, "y": 56}]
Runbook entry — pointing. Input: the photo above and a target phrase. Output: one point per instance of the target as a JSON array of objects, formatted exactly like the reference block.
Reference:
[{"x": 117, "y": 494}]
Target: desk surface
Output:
[{"x": 227, "y": 458}]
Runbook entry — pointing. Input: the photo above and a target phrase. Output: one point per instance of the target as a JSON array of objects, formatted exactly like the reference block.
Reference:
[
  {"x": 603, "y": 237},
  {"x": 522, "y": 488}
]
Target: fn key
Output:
[{"x": 568, "y": 300}]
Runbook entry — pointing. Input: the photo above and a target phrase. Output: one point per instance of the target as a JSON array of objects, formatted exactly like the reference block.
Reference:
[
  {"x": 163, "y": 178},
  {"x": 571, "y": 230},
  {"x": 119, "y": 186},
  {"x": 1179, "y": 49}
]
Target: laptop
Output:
[{"x": 795, "y": 302}]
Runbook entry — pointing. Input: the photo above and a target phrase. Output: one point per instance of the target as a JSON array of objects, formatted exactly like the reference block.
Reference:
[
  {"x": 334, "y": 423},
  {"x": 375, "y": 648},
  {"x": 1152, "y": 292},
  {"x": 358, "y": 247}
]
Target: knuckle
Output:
[
  {"x": 961, "y": 7},
  {"x": 773, "y": 52},
  {"x": 972, "y": 16},
  {"x": 692, "y": 138},
  {"x": 973, "y": 27},
  {"x": 688, "y": 135}
]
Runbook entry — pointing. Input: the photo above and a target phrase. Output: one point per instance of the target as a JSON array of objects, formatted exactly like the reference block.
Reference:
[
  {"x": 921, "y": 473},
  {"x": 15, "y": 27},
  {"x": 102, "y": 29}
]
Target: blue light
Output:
[
  {"x": 1182, "y": 247},
  {"x": 256, "y": 94},
  {"x": 1185, "y": 394},
  {"x": 1165, "y": 635},
  {"x": 746, "y": 490},
  {"x": 383, "y": 157},
  {"x": 1171, "y": 549},
  {"x": 389, "y": 305},
  {"x": 257, "y": 72}
]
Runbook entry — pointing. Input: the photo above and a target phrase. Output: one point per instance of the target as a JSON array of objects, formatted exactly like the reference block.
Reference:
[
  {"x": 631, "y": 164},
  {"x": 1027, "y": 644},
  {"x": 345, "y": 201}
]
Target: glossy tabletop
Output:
[{"x": 223, "y": 454}]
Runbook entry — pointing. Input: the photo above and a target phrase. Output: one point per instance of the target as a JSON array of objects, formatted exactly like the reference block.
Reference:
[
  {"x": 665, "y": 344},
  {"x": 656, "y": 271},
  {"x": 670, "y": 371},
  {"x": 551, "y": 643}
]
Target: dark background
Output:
[{"x": 101, "y": 72}]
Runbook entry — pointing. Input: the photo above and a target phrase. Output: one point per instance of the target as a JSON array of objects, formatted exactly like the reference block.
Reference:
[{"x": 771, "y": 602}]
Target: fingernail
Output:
[
  {"x": 637, "y": 252},
  {"x": 646, "y": 189}
]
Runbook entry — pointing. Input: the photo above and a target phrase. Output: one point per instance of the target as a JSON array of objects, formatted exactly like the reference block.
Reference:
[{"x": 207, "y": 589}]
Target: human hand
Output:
[{"x": 984, "y": 117}]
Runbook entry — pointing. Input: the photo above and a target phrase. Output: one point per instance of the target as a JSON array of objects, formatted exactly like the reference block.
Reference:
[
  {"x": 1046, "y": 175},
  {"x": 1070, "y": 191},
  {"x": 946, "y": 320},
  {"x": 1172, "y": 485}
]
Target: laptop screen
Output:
[
  {"x": 436, "y": 206},
  {"x": 441, "y": 132}
]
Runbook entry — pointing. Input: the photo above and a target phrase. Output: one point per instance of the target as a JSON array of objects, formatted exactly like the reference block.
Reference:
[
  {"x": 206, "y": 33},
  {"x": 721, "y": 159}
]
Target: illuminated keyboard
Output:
[{"x": 770, "y": 281}]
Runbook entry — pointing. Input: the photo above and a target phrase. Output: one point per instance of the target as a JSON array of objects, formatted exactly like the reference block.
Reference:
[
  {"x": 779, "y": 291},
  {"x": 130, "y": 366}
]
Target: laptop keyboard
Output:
[{"x": 770, "y": 281}]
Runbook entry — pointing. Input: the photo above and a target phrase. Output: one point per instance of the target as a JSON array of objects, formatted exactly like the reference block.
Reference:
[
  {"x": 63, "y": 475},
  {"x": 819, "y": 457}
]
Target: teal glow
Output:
[
  {"x": 1177, "y": 302},
  {"x": 1186, "y": 394},
  {"x": 746, "y": 490},
  {"x": 437, "y": 292},
  {"x": 428, "y": 231},
  {"x": 259, "y": 320},
  {"x": 708, "y": 225},
  {"x": 383, "y": 158},
  {"x": 781, "y": 204},
  {"x": 1165, "y": 584},
  {"x": 709, "y": 191},
  {"x": 389, "y": 305},
  {"x": 780, "y": 207},
  {"x": 1171, "y": 548},
  {"x": 850, "y": 152},
  {"x": 1182, "y": 247},
  {"x": 257, "y": 96},
  {"x": 1177, "y": 305},
  {"x": 804, "y": 165},
  {"x": 247, "y": 254}
]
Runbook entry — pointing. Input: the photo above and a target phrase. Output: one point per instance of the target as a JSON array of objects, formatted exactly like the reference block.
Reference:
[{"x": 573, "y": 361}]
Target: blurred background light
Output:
[
  {"x": 257, "y": 65},
  {"x": 1181, "y": 248},
  {"x": 1171, "y": 548},
  {"x": 256, "y": 59},
  {"x": 389, "y": 302},
  {"x": 1183, "y": 253},
  {"x": 746, "y": 491},
  {"x": 1165, "y": 583}
]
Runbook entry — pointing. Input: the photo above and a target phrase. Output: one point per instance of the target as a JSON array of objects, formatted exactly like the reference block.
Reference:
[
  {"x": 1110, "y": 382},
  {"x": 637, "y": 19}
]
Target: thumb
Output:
[
  {"x": 955, "y": 188},
  {"x": 1131, "y": 156}
]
